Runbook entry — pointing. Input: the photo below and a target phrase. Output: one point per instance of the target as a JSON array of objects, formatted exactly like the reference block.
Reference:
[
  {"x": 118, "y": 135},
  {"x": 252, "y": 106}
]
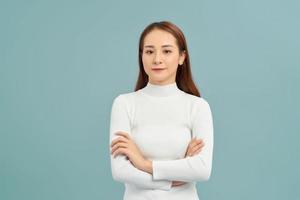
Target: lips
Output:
[{"x": 158, "y": 68}]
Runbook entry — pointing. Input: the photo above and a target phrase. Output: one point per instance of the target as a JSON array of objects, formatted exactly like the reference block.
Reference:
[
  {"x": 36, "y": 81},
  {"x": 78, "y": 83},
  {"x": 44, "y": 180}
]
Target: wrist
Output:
[{"x": 148, "y": 166}]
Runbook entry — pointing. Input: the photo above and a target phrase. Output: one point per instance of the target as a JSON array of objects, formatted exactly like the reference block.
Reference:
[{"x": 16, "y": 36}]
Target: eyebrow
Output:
[{"x": 166, "y": 45}]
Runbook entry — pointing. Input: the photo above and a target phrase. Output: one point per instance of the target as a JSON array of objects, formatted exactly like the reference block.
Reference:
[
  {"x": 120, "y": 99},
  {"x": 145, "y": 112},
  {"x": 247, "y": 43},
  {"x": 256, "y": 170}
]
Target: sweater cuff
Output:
[
  {"x": 167, "y": 186},
  {"x": 158, "y": 169},
  {"x": 156, "y": 175}
]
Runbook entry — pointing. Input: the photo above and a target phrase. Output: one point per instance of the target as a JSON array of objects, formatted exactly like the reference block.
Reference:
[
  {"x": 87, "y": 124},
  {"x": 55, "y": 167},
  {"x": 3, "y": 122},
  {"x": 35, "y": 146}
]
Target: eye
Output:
[
  {"x": 168, "y": 51},
  {"x": 148, "y": 51}
]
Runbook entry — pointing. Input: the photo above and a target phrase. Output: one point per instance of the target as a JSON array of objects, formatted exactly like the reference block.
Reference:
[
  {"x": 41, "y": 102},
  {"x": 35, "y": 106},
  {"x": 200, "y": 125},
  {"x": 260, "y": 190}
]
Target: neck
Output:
[{"x": 161, "y": 90}]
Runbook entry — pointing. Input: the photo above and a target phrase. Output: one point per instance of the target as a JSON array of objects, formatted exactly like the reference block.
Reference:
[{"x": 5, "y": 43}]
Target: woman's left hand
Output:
[{"x": 125, "y": 145}]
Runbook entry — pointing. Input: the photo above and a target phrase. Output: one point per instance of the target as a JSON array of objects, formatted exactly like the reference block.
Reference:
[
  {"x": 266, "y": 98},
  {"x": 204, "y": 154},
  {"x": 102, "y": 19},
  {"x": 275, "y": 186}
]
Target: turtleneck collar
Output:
[{"x": 161, "y": 90}]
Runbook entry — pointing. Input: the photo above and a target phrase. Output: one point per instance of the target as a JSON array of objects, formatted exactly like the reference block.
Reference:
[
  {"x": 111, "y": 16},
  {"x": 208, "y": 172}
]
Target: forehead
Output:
[{"x": 159, "y": 38}]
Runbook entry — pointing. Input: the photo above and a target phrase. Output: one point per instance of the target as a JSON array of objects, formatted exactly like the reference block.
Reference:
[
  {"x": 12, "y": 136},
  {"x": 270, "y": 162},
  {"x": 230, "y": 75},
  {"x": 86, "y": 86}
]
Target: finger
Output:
[
  {"x": 189, "y": 153},
  {"x": 189, "y": 149},
  {"x": 194, "y": 142},
  {"x": 120, "y": 151},
  {"x": 126, "y": 135},
  {"x": 118, "y": 145},
  {"x": 197, "y": 141},
  {"x": 198, "y": 146},
  {"x": 118, "y": 139},
  {"x": 202, "y": 144},
  {"x": 196, "y": 152},
  {"x": 192, "y": 145}
]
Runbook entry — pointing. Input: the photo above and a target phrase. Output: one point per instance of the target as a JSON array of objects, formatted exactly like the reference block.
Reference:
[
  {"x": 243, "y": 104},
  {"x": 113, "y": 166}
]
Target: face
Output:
[{"x": 161, "y": 57}]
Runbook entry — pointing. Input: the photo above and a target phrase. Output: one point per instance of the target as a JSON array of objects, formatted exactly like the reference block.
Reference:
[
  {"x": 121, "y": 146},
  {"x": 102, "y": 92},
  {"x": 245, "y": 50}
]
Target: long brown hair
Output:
[{"x": 184, "y": 79}]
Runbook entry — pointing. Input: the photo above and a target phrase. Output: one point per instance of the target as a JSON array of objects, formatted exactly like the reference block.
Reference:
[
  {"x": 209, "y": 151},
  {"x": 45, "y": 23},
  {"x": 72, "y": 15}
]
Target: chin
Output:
[{"x": 158, "y": 78}]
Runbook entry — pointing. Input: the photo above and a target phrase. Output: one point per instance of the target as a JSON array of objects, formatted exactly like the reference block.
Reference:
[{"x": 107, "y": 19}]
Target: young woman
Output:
[{"x": 161, "y": 135}]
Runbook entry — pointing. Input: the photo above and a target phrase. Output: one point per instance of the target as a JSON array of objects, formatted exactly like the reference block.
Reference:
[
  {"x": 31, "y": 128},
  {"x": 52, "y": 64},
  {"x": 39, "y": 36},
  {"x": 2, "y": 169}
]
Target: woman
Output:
[{"x": 161, "y": 135}]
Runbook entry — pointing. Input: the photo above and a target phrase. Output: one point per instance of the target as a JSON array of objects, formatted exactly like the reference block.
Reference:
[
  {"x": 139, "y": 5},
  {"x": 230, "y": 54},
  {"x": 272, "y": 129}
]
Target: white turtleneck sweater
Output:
[{"x": 162, "y": 119}]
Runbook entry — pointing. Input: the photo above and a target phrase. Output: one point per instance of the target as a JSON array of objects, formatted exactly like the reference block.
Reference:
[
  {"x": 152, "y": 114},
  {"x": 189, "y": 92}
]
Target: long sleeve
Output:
[
  {"x": 197, "y": 167},
  {"x": 122, "y": 169}
]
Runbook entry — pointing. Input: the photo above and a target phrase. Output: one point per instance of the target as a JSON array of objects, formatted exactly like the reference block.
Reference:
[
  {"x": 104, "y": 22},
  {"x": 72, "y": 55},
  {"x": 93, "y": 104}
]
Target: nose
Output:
[{"x": 157, "y": 59}]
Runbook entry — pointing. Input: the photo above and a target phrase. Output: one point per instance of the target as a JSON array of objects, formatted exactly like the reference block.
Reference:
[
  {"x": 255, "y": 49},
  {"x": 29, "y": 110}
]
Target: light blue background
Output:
[{"x": 63, "y": 62}]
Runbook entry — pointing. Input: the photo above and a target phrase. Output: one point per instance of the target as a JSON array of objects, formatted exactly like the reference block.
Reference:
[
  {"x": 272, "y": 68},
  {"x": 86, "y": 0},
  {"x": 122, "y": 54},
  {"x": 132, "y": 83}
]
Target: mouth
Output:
[{"x": 158, "y": 69}]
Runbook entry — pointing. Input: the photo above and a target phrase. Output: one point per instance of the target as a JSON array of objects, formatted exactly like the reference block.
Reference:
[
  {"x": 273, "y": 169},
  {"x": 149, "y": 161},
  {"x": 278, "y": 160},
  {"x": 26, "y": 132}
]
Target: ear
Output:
[{"x": 182, "y": 57}]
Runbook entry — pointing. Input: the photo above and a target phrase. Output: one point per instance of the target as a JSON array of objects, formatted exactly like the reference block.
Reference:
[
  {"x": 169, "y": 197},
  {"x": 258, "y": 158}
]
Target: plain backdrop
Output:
[{"x": 63, "y": 62}]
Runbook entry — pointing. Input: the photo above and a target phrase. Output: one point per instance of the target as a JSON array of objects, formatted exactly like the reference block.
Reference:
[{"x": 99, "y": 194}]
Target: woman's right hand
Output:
[{"x": 194, "y": 148}]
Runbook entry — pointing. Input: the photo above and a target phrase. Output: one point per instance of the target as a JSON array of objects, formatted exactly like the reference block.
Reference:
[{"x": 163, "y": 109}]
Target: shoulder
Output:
[
  {"x": 198, "y": 107},
  {"x": 195, "y": 101},
  {"x": 124, "y": 98}
]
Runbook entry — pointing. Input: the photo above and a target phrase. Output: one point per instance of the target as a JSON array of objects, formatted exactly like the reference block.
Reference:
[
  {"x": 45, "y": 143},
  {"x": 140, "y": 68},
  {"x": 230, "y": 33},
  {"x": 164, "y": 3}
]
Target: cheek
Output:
[
  {"x": 146, "y": 61},
  {"x": 147, "y": 64},
  {"x": 172, "y": 63}
]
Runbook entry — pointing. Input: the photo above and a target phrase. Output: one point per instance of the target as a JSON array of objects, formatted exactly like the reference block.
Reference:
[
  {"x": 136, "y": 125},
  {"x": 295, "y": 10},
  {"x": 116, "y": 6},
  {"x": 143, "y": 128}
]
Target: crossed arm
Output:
[{"x": 160, "y": 174}]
